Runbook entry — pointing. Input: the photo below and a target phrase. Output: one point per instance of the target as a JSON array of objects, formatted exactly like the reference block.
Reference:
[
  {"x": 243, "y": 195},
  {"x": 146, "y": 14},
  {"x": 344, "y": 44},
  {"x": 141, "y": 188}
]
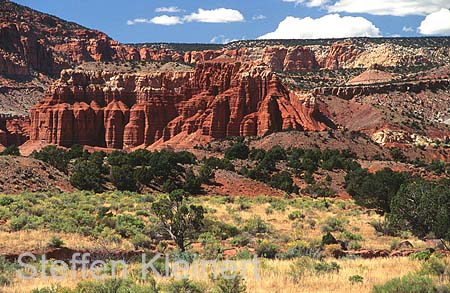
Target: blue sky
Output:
[{"x": 206, "y": 21}]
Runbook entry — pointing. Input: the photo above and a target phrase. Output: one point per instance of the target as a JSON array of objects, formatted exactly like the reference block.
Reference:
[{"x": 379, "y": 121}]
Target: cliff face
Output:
[
  {"x": 14, "y": 130},
  {"x": 216, "y": 100},
  {"x": 47, "y": 44}
]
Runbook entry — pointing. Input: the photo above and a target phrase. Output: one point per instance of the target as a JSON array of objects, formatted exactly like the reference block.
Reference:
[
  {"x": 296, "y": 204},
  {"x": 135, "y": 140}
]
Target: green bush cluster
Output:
[{"x": 412, "y": 283}]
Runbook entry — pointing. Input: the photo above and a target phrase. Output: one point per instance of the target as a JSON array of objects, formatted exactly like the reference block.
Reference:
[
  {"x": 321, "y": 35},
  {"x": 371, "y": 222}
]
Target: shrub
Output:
[
  {"x": 87, "y": 175},
  {"x": 238, "y": 150},
  {"x": 267, "y": 249},
  {"x": 355, "y": 279},
  {"x": 397, "y": 154},
  {"x": 257, "y": 154},
  {"x": 383, "y": 227},
  {"x": 244, "y": 254},
  {"x": 211, "y": 247},
  {"x": 229, "y": 284},
  {"x": 141, "y": 241},
  {"x": 376, "y": 190},
  {"x": 128, "y": 225},
  {"x": 283, "y": 181},
  {"x": 299, "y": 249},
  {"x": 222, "y": 230},
  {"x": 185, "y": 286},
  {"x": 300, "y": 267},
  {"x": 412, "y": 283},
  {"x": 349, "y": 236},
  {"x": 256, "y": 225},
  {"x": 10, "y": 151},
  {"x": 216, "y": 163},
  {"x": 23, "y": 222},
  {"x": 169, "y": 186},
  {"x": 434, "y": 266},
  {"x": 324, "y": 267},
  {"x": 355, "y": 245},
  {"x": 54, "y": 156},
  {"x": 7, "y": 271},
  {"x": 56, "y": 242},
  {"x": 116, "y": 286},
  {"x": 333, "y": 224},
  {"x": 328, "y": 239},
  {"x": 206, "y": 174},
  {"x": 423, "y": 208},
  {"x": 192, "y": 184},
  {"x": 240, "y": 240},
  {"x": 296, "y": 215},
  {"x": 6, "y": 200},
  {"x": 421, "y": 255},
  {"x": 276, "y": 153},
  {"x": 123, "y": 178}
]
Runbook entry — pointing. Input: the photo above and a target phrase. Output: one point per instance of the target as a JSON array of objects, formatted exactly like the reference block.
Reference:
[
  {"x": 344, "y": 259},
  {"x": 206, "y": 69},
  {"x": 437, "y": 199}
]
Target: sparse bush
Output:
[
  {"x": 328, "y": 239},
  {"x": 296, "y": 215},
  {"x": 54, "y": 156},
  {"x": 412, "y": 283},
  {"x": 383, "y": 227},
  {"x": 256, "y": 225},
  {"x": 184, "y": 285},
  {"x": 238, "y": 150},
  {"x": 283, "y": 181},
  {"x": 123, "y": 178},
  {"x": 192, "y": 184},
  {"x": 267, "y": 249},
  {"x": 325, "y": 267},
  {"x": 240, "y": 240},
  {"x": 333, "y": 224},
  {"x": 116, "y": 286},
  {"x": 56, "y": 242},
  {"x": 374, "y": 190},
  {"x": 422, "y": 207},
  {"x": 355, "y": 279},
  {"x": 233, "y": 283},
  {"x": 300, "y": 267},
  {"x": 10, "y": 151},
  {"x": 141, "y": 241},
  {"x": 87, "y": 175}
]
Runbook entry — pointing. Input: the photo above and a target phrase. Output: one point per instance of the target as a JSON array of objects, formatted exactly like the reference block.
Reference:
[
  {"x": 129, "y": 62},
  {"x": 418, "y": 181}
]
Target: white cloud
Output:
[
  {"x": 220, "y": 15},
  {"x": 138, "y": 20},
  {"x": 221, "y": 39},
  {"x": 389, "y": 7},
  {"x": 437, "y": 23},
  {"x": 407, "y": 29},
  {"x": 328, "y": 26},
  {"x": 166, "y": 20},
  {"x": 309, "y": 3},
  {"x": 170, "y": 9},
  {"x": 161, "y": 20},
  {"x": 259, "y": 17}
]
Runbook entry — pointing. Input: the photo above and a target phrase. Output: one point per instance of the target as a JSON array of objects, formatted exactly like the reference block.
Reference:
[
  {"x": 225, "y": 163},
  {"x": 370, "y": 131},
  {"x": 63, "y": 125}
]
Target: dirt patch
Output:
[
  {"x": 230, "y": 183},
  {"x": 20, "y": 174}
]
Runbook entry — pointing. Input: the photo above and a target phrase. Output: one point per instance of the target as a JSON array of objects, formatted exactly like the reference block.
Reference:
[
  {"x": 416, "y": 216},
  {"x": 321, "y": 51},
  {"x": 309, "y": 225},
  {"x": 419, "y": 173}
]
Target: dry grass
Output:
[
  {"x": 37, "y": 240},
  {"x": 275, "y": 274},
  {"x": 309, "y": 228},
  {"x": 275, "y": 277}
]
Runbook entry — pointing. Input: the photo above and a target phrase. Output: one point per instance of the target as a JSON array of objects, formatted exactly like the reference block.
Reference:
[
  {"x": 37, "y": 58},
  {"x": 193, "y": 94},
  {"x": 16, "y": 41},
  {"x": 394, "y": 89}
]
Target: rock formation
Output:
[
  {"x": 14, "y": 130},
  {"x": 218, "y": 99}
]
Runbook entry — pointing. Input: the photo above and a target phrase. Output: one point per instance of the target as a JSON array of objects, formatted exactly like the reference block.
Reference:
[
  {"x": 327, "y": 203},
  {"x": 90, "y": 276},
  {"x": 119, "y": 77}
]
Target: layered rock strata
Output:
[{"x": 217, "y": 99}]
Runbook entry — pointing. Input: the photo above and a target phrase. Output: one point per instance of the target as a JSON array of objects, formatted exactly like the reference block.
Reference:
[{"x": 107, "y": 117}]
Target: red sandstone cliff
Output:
[{"x": 216, "y": 100}]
